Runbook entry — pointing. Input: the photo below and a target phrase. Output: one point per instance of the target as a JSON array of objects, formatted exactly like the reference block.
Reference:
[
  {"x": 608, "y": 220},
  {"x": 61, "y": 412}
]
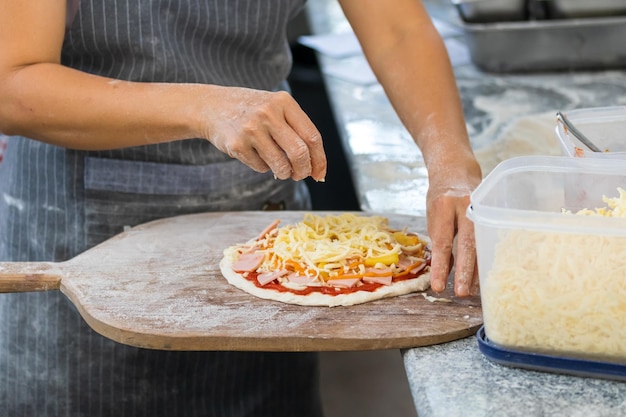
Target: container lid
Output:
[
  {"x": 541, "y": 172},
  {"x": 549, "y": 363},
  {"x": 604, "y": 126}
]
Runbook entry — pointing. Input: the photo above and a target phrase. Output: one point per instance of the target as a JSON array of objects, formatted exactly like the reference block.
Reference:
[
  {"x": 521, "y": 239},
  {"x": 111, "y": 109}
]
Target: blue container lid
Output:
[{"x": 549, "y": 363}]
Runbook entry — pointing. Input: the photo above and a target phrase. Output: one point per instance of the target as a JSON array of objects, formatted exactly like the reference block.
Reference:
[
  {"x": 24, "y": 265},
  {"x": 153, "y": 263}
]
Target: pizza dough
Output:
[
  {"x": 421, "y": 283},
  {"x": 232, "y": 254}
]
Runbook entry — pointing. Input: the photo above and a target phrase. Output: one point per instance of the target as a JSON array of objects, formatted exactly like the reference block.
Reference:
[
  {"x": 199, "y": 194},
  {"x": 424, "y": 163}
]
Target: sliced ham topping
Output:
[
  {"x": 379, "y": 280},
  {"x": 378, "y": 275},
  {"x": 268, "y": 229},
  {"x": 300, "y": 279},
  {"x": 418, "y": 268},
  {"x": 406, "y": 263},
  {"x": 267, "y": 277},
  {"x": 379, "y": 272},
  {"x": 248, "y": 262},
  {"x": 344, "y": 282}
]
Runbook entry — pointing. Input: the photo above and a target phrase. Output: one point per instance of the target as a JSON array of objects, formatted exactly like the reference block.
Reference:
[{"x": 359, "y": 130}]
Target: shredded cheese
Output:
[
  {"x": 338, "y": 246},
  {"x": 616, "y": 207},
  {"x": 559, "y": 292}
]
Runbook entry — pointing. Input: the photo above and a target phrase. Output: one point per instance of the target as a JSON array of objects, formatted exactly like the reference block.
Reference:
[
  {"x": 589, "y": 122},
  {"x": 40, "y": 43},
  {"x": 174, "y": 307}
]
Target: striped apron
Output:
[{"x": 55, "y": 203}]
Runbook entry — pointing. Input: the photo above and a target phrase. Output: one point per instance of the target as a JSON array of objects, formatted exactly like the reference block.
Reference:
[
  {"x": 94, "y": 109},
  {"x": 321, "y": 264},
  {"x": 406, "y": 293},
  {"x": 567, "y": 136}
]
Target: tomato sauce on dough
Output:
[{"x": 330, "y": 290}]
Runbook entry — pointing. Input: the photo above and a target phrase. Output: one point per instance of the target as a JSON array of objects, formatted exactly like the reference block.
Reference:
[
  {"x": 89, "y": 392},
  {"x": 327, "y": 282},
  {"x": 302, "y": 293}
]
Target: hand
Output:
[
  {"x": 447, "y": 202},
  {"x": 266, "y": 131}
]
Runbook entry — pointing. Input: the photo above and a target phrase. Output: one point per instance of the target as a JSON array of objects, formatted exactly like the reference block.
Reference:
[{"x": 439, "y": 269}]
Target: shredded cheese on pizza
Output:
[
  {"x": 341, "y": 247},
  {"x": 325, "y": 244},
  {"x": 560, "y": 292}
]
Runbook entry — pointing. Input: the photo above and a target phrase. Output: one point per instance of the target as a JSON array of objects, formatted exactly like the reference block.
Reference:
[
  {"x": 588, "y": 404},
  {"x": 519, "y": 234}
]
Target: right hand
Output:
[{"x": 266, "y": 131}]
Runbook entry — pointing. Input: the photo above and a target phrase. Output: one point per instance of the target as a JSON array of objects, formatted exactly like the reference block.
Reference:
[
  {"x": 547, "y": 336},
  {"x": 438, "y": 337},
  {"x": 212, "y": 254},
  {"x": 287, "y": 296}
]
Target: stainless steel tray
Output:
[
  {"x": 547, "y": 45},
  {"x": 568, "y": 9},
  {"x": 483, "y": 11}
]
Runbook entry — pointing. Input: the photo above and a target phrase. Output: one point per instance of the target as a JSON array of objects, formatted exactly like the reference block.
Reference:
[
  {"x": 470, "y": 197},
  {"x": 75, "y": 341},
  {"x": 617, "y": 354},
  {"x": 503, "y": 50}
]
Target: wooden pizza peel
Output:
[{"x": 159, "y": 286}]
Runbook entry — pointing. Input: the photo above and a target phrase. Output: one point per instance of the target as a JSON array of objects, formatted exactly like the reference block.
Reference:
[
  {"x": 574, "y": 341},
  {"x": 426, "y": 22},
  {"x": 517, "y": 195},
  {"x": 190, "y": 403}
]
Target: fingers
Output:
[
  {"x": 441, "y": 230},
  {"x": 248, "y": 156},
  {"x": 311, "y": 143},
  {"x": 465, "y": 274},
  {"x": 298, "y": 138},
  {"x": 445, "y": 220},
  {"x": 280, "y": 137},
  {"x": 287, "y": 155},
  {"x": 475, "y": 287},
  {"x": 276, "y": 158}
]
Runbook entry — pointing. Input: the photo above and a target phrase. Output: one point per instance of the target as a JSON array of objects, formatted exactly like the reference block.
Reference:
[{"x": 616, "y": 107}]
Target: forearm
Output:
[
  {"x": 422, "y": 89},
  {"x": 411, "y": 62},
  {"x": 64, "y": 107}
]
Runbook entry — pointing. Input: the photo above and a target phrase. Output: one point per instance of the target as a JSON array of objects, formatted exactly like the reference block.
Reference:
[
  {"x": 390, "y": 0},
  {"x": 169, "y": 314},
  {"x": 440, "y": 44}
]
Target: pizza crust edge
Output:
[{"x": 421, "y": 283}]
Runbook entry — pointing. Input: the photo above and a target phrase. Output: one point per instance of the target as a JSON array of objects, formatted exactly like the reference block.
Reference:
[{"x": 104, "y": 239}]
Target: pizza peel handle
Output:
[{"x": 29, "y": 276}]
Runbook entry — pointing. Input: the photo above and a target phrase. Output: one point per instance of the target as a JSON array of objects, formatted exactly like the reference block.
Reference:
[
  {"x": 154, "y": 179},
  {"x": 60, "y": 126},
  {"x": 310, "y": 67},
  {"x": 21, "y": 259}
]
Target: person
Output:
[{"x": 132, "y": 111}]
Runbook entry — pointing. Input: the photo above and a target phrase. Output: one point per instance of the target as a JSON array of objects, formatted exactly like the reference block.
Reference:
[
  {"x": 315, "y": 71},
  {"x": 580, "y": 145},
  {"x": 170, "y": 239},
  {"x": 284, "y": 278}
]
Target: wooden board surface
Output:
[{"x": 158, "y": 285}]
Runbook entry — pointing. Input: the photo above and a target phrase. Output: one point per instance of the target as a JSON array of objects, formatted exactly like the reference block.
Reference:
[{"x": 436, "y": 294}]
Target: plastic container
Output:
[
  {"x": 552, "y": 282},
  {"x": 549, "y": 363},
  {"x": 604, "y": 126}
]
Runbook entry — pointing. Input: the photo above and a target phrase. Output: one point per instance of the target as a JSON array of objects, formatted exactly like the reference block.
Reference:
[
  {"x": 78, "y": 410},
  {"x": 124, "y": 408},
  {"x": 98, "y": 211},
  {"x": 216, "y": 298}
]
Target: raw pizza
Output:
[{"x": 330, "y": 260}]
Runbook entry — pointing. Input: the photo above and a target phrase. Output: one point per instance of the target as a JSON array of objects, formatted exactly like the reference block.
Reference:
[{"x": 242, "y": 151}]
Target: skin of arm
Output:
[
  {"x": 410, "y": 61},
  {"x": 45, "y": 101}
]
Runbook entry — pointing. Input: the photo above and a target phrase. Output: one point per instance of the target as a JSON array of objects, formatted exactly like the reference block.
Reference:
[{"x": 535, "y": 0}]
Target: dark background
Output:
[{"x": 307, "y": 87}]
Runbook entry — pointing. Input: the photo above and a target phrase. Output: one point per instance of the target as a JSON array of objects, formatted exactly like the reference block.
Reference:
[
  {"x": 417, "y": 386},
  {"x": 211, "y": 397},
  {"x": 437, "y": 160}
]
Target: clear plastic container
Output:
[
  {"x": 552, "y": 281},
  {"x": 604, "y": 126}
]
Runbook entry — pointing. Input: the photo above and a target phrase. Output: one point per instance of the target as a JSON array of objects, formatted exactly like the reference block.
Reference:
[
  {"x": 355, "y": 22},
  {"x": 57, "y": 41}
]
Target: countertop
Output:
[{"x": 507, "y": 115}]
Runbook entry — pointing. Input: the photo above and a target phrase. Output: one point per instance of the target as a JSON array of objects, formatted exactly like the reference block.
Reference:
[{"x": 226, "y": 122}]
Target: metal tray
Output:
[
  {"x": 568, "y": 9},
  {"x": 547, "y": 45},
  {"x": 483, "y": 11},
  {"x": 549, "y": 363}
]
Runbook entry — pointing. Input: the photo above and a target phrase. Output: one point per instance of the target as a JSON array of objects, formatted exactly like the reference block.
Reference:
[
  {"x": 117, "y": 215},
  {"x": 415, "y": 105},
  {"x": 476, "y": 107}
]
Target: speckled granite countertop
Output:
[
  {"x": 386, "y": 163},
  {"x": 507, "y": 115},
  {"x": 456, "y": 380}
]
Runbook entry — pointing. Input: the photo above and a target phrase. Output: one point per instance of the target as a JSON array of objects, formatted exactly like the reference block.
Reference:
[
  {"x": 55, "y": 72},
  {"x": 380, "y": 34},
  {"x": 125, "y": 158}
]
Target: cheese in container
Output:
[{"x": 551, "y": 246}]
